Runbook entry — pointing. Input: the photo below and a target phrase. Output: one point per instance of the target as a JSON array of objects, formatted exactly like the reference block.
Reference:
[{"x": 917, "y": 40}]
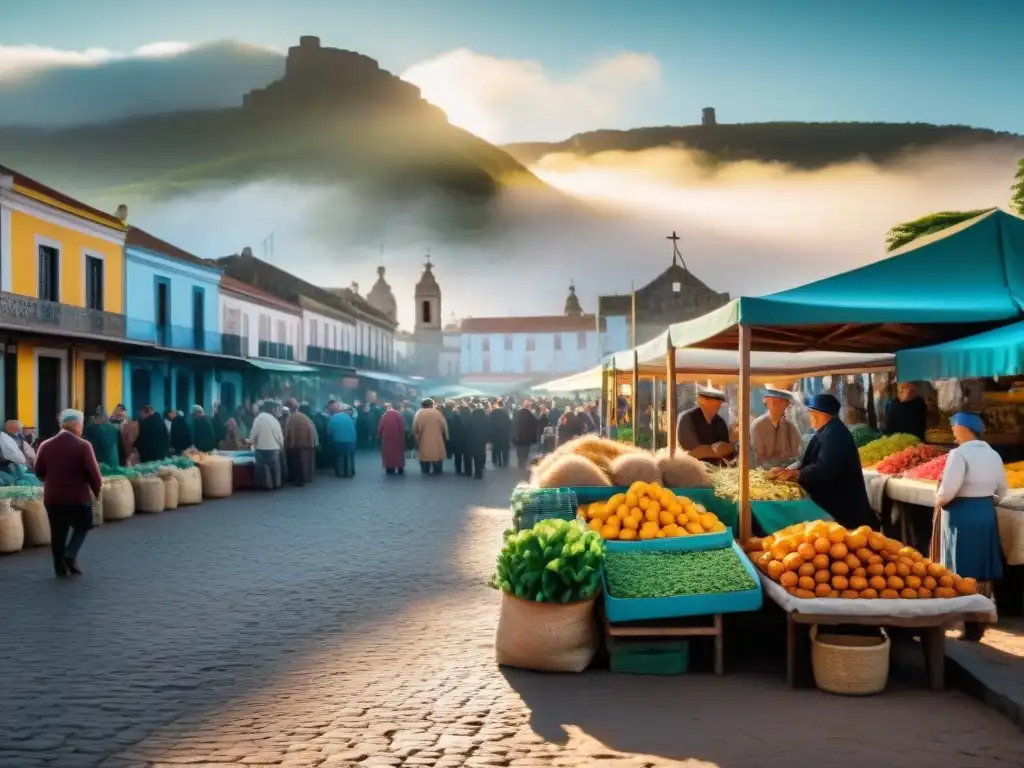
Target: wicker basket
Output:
[
  {"x": 118, "y": 499},
  {"x": 850, "y": 665},
  {"x": 35, "y": 522},
  {"x": 190, "y": 486},
  {"x": 12, "y": 531}
]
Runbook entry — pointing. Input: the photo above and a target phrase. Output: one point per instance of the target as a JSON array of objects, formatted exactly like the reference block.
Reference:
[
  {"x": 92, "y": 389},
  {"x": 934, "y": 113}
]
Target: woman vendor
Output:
[
  {"x": 830, "y": 469},
  {"x": 965, "y": 534}
]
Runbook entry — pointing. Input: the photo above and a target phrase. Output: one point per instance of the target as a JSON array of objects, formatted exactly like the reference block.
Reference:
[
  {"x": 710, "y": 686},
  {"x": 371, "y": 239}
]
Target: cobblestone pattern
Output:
[{"x": 348, "y": 624}]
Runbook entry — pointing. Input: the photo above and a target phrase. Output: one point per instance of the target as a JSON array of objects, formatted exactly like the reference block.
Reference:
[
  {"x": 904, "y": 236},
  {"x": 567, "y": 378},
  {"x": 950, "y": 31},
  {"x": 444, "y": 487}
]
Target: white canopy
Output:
[{"x": 720, "y": 363}]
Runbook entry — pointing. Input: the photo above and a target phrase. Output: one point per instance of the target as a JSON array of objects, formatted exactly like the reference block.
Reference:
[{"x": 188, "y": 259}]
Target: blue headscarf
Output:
[{"x": 971, "y": 421}]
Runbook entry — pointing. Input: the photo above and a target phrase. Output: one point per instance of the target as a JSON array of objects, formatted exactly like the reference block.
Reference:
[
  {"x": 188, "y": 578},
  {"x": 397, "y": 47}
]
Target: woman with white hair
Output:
[{"x": 71, "y": 477}]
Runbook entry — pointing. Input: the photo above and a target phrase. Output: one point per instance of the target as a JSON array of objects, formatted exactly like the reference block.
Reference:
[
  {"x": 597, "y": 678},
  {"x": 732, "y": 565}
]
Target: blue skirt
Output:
[{"x": 970, "y": 539}]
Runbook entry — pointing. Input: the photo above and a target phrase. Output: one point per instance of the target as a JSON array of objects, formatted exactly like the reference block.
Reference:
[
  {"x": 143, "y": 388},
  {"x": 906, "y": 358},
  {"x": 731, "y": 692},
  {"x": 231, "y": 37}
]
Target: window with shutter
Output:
[
  {"x": 49, "y": 273},
  {"x": 93, "y": 283}
]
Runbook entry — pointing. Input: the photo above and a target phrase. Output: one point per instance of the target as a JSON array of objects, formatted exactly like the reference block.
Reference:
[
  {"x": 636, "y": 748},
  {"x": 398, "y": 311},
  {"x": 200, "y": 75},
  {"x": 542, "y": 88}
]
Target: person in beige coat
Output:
[{"x": 430, "y": 431}]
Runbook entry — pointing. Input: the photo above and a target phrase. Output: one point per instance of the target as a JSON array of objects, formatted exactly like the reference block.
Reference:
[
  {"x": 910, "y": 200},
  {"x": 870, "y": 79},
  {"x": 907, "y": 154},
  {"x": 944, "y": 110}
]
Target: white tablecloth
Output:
[
  {"x": 897, "y": 609},
  {"x": 874, "y": 484}
]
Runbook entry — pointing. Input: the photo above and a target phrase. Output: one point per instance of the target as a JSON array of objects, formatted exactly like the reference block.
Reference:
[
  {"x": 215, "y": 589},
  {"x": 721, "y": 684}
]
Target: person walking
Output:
[
  {"x": 500, "y": 427},
  {"x": 430, "y": 430},
  {"x": 391, "y": 433},
  {"x": 341, "y": 430},
  {"x": 71, "y": 477},
  {"x": 524, "y": 434},
  {"x": 267, "y": 444},
  {"x": 300, "y": 445}
]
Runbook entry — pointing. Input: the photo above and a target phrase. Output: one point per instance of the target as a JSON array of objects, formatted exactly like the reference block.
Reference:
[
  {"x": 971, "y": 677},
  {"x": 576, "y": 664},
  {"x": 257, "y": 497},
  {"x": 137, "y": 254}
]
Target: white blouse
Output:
[{"x": 973, "y": 470}]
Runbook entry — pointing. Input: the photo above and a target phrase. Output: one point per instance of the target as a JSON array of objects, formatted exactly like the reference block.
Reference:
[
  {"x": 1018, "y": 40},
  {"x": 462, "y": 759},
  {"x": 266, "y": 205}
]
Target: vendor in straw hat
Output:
[
  {"x": 775, "y": 439},
  {"x": 701, "y": 432}
]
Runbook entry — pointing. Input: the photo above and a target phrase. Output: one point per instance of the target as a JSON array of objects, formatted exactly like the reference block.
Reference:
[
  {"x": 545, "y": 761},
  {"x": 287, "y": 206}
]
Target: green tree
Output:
[
  {"x": 1017, "y": 191},
  {"x": 909, "y": 231}
]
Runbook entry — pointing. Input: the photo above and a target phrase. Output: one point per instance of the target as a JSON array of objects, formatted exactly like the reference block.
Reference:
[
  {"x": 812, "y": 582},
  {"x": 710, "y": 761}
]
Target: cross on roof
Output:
[
  {"x": 676, "y": 253},
  {"x": 428, "y": 257}
]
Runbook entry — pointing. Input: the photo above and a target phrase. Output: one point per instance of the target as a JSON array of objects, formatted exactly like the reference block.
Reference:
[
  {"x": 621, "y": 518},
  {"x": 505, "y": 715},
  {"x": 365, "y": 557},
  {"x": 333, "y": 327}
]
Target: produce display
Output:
[
  {"x": 148, "y": 468},
  {"x": 914, "y": 456},
  {"x": 863, "y": 434},
  {"x": 883, "y": 447},
  {"x": 530, "y": 505},
  {"x": 595, "y": 461},
  {"x": 824, "y": 559},
  {"x": 648, "y": 511},
  {"x": 726, "y": 482},
  {"x": 670, "y": 574},
  {"x": 1015, "y": 478},
  {"x": 930, "y": 470},
  {"x": 556, "y": 561}
]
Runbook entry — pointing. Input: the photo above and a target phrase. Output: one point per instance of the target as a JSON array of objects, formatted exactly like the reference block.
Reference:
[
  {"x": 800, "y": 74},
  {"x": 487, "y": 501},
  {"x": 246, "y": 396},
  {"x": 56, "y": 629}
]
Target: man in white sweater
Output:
[{"x": 267, "y": 443}]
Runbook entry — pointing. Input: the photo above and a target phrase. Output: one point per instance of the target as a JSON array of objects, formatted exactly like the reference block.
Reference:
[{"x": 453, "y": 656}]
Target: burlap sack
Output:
[
  {"x": 190, "y": 486},
  {"x": 149, "y": 494},
  {"x": 170, "y": 490},
  {"x": 118, "y": 499},
  {"x": 216, "y": 474},
  {"x": 546, "y": 637},
  {"x": 35, "y": 522},
  {"x": 12, "y": 531}
]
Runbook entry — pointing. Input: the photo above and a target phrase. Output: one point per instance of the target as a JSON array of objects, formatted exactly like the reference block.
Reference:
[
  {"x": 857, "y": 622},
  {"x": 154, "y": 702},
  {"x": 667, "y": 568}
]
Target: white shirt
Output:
[
  {"x": 265, "y": 434},
  {"x": 9, "y": 449},
  {"x": 973, "y": 470},
  {"x": 774, "y": 444}
]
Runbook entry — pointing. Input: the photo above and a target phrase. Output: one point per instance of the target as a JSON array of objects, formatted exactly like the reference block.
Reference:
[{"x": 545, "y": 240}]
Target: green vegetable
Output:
[
  {"x": 670, "y": 574},
  {"x": 863, "y": 434},
  {"x": 556, "y": 561}
]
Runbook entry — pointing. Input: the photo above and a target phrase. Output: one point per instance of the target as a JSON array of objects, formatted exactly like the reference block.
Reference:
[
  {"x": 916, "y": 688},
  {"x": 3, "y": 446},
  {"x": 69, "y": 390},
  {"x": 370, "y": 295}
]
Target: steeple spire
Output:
[
  {"x": 572, "y": 303},
  {"x": 676, "y": 253}
]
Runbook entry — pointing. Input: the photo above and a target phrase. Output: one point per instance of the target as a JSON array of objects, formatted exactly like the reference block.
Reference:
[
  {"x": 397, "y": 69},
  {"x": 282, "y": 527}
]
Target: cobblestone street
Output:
[{"x": 349, "y": 623}]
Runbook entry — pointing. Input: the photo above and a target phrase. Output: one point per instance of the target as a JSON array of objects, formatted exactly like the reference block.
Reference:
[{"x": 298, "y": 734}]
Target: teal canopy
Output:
[
  {"x": 280, "y": 366},
  {"x": 957, "y": 282},
  {"x": 999, "y": 352}
]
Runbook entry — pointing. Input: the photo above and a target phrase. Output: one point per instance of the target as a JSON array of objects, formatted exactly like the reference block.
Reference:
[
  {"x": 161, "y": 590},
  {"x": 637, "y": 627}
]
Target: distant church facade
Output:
[{"x": 673, "y": 296}]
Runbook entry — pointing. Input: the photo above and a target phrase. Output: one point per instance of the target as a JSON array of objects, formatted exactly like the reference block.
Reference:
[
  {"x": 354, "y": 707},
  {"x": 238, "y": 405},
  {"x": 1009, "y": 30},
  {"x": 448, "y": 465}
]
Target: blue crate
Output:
[
  {"x": 691, "y": 543},
  {"x": 621, "y": 610}
]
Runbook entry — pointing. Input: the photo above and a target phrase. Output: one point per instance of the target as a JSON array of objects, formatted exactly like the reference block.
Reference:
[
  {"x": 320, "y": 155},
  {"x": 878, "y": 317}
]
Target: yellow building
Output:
[{"x": 62, "y": 322}]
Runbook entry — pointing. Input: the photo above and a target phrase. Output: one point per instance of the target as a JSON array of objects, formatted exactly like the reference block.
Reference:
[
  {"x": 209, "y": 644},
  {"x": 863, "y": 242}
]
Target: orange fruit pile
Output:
[
  {"x": 648, "y": 511},
  {"x": 824, "y": 559}
]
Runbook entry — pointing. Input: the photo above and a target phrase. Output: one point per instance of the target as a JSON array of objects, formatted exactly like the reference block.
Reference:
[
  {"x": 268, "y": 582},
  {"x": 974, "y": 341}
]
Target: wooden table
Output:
[{"x": 675, "y": 628}]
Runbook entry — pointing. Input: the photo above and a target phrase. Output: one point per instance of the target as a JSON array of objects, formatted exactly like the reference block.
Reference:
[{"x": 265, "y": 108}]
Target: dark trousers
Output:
[
  {"x": 499, "y": 454},
  {"x": 431, "y": 467},
  {"x": 522, "y": 456},
  {"x": 344, "y": 459},
  {"x": 456, "y": 456},
  {"x": 476, "y": 457},
  {"x": 75, "y": 519}
]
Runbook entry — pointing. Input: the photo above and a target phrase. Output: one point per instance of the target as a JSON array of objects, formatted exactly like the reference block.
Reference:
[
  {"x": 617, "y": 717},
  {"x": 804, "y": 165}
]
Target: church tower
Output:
[
  {"x": 427, "y": 330},
  {"x": 381, "y": 297},
  {"x": 572, "y": 303}
]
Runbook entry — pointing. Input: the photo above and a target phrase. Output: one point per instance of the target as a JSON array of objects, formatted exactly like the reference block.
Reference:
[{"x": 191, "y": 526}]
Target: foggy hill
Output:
[
  {"x": 801, "y": 145},
  {"x": 335, "y": 116}
]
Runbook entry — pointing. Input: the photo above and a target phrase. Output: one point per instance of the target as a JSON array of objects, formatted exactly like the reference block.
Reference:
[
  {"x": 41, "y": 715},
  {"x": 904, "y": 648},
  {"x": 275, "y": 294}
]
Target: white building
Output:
[
  {"x": 521, "y": 351},
  {"x": 264, "y": 325}
]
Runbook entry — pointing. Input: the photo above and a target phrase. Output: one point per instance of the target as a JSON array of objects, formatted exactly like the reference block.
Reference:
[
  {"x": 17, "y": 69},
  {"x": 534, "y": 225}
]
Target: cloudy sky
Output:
[{"x": 534, "y": 69}]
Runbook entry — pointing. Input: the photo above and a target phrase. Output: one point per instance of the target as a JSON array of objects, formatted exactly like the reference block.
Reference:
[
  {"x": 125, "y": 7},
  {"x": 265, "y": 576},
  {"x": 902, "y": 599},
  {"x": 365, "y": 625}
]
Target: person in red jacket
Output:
[{"x": 71, "y": 477}]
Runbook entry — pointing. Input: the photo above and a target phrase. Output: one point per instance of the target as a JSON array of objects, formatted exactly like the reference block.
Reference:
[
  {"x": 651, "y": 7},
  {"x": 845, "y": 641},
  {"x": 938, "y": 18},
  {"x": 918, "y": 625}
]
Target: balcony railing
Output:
[
  {"x": 276, "y": 351},
  {"x": 35, "y": 314},
  {"x": 234, "y": 345},
  {"x": 174, "y": 336},
  {"x": 328, "y": 356}
]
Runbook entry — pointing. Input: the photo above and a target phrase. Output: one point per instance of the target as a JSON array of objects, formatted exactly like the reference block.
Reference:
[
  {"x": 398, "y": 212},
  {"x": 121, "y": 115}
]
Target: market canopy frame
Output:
[{"x": 999, "y": 352}]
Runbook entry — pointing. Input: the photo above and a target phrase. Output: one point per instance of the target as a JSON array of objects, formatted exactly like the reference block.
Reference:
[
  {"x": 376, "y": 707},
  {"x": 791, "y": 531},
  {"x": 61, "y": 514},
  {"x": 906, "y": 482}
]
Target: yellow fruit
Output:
[
  {"x": 672, "y": 530},
  {"x": 718, "y": 527},
  {"x": 583, "y": 511},
  {"x": 616, "y": 500},
  {"x": 636, "y": 512},
  {"x": 631, "y": 499},
  {"x": 630, "y": 523},
  {"x": 675, "y": 508},
  {"x": 643, "y": 502},
  {"x": 609, "y": 532},
  {"x": 622, "y": 510},
  {"x": 661, "y": 534},
  {"x": 595, "y": 525},
  {"x": 707, "y": 521},
  {"x": 627, "y": 534},
  {"x": 647, "y": 535},
  {"x": 693, "y": 515},
  {"x": 694, "y": 528},
  {"x": 665, "y": 518},
  {"x": 682, "y": 519}
]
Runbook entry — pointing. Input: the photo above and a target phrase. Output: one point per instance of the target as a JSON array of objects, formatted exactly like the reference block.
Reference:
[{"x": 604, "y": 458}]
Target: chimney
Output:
[
  {"x": 708, "y": 116},
  {"x": 355, "y": 288},
  {"x": 247, "y": 251},
  {"x": 122, "y": 213}
]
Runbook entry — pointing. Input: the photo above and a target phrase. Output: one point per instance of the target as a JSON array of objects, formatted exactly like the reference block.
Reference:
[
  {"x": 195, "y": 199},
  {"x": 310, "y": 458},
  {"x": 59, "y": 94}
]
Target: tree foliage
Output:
[
  {"x": 909, "y": 231},
  {"x": 1017, "y": 191}
]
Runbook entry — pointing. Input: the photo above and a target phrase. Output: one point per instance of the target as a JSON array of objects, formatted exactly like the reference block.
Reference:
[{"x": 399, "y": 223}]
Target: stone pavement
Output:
[
  {"x": 993, "y": 669},
  {"x": 348, "y": 624}
]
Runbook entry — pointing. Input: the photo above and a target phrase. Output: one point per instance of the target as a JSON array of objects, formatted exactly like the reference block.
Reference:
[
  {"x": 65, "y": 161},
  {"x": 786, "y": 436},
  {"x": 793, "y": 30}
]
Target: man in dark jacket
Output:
[
  {"x": 476, "y": 440},
  {"x": 204, "y": 433},
  {"x": 464, "y": 412},
  {"x": 455, "y": 436},
  {"x": 524, "y": 434},
  {"x": 153, "y": 442},
  {"x": 181, "y": 434},
  {"x": 909, "y": 414},
  {"x": 830, "y": 468},
  {"x": 500, "y": 428}
]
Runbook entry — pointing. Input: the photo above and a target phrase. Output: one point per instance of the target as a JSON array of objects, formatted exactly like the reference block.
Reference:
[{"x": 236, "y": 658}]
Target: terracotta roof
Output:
[
  {"x": 231, "y": 285},
  {"x": 535, "y": 324},
  {"x": 140, "y": 238},
  {"x": 28, "y": 183}
]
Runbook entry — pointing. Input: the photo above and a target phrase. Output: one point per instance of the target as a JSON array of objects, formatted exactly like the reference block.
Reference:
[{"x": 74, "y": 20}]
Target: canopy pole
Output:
[
  {"x": 744, "y": 430},
  {"x": 635, "y": 384},
  {"x": 613, "y": 401},
  {"x": 671, "y": 394},
  {"x": 654, "y": 414}
]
